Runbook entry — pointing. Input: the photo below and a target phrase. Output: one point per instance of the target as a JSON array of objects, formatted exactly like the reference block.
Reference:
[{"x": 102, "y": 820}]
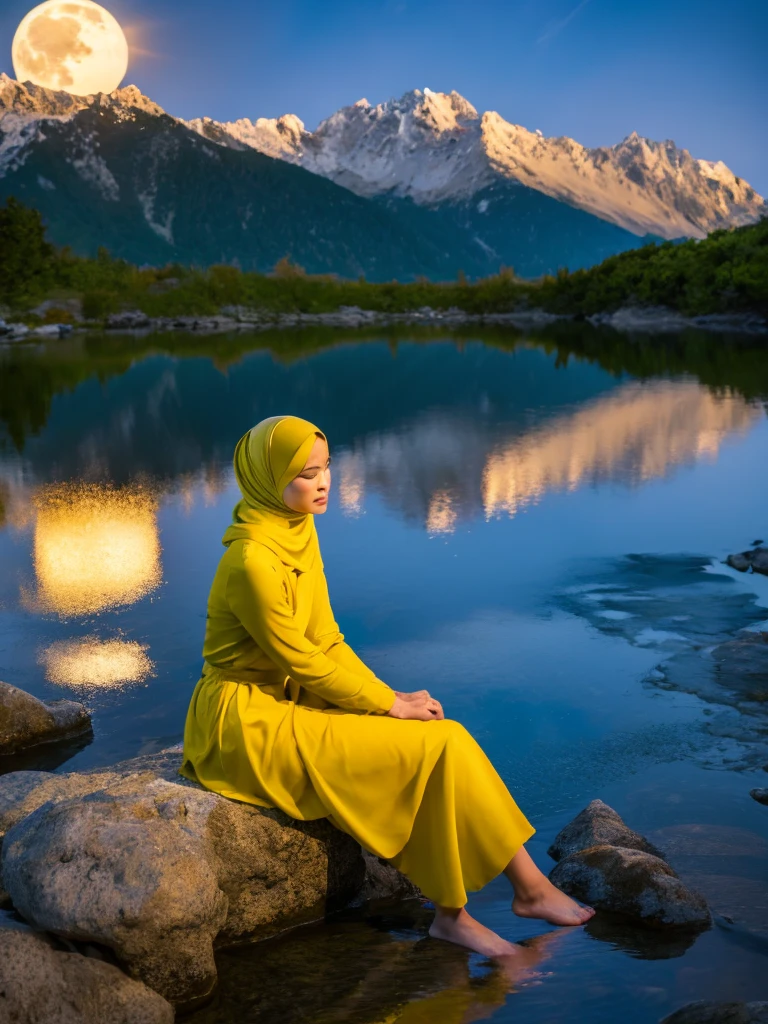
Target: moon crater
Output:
[{"x": 74, "y": 45}]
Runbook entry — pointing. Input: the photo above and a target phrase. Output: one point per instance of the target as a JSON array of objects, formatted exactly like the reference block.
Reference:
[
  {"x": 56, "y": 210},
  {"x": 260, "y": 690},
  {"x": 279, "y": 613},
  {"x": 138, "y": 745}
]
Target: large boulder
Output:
[
  {"x": 633, "y": 883},
  {"x": 159, "y": 870},
  {"x": 719, "y": 1013},
  {"x": 597, "y": 825},
  {"x": 28, "y": 722},
  {"x": 42, "y": 984}
]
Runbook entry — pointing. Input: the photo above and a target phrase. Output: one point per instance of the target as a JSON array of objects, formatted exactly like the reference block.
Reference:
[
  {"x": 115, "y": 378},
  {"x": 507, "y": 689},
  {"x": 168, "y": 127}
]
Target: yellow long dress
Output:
[{"x": 286, "y": 715}]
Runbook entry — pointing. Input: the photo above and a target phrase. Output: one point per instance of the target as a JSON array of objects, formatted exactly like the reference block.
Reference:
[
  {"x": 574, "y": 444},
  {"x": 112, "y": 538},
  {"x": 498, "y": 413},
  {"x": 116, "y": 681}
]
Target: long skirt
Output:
[{"x": 421, "y": 795}]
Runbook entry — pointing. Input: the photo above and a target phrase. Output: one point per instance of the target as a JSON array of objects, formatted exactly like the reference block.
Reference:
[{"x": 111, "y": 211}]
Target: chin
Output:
[{"x": 318, "y": 510}]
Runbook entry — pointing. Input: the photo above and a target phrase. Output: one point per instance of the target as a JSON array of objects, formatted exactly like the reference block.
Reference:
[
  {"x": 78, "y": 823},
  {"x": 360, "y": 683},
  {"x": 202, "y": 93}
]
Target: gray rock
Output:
[
  {"x": 52, "y": 330},
  {"x": 26, "y": 721},
  {"x": 157, "y": 870},
  {"x": 756, "y": 558},
  {"x": 16, "y": 331},
  {"x": 632, "y": 883},
  {"x": 42, "y": 984},
  {"x": 598, "y": 824},
  {"x": 761, "y": 795},
  {"x": 129, "y": 320},
  {"x": 719, "y": 1013},
  {"x": 740, "y": 562}
]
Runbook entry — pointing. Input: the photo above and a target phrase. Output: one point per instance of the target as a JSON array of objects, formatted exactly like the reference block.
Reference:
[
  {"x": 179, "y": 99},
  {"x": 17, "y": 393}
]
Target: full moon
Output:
[{"x": 74, "y": 45}]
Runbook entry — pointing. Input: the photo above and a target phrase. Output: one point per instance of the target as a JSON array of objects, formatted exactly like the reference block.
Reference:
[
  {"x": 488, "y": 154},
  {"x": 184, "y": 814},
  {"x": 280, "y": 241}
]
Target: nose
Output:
[{"x": 325, "y": 480}]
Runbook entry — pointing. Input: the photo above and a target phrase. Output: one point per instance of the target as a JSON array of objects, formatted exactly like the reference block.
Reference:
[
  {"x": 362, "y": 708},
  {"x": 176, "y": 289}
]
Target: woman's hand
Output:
[{"x": 418, "y": 706}]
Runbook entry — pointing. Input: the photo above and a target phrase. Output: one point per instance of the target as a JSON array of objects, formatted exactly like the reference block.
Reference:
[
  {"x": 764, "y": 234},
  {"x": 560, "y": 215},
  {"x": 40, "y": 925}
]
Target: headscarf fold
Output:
[{"x": 267, "y": 458}]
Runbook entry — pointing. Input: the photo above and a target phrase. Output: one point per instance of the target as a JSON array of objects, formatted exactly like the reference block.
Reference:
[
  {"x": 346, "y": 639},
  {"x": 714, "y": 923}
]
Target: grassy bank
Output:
[{"x": 724, "y": 273}]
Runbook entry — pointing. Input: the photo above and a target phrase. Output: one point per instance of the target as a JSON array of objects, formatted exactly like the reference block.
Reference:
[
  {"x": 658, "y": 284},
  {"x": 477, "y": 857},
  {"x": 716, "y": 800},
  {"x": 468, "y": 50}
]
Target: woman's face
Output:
[{"x": 308, "y": 492}]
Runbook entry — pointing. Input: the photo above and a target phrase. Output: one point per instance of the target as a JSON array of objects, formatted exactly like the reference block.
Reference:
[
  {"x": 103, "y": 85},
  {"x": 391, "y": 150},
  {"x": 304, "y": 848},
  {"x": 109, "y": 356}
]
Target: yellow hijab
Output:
[{"x": 267, "y": 458}]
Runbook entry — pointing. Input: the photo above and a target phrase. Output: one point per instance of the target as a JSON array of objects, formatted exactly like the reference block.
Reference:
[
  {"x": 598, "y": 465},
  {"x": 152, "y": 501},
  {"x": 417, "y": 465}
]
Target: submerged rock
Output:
[
  {"x": 27, "y": 722},
  {"x": 761, "y": 795},
  {"x": 41, "y": 983},
  {"x": 598, "y": 824},
  {"x": 741, "y": 665},
  {"x": 633, "y": 883},
  {"x": 719, "y": 1013},
  {"x": 159, "y": 870}
]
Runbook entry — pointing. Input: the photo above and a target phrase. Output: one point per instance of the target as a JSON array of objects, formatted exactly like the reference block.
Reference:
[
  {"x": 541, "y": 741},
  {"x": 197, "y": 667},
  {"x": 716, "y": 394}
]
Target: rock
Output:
[
  {"x": 598, "y": 824},
  {"x": 741, "y": 666},
  {"x": 159, "y": 870},
  {"x": 756, "y": 558},
  {"x": 16, "y": 331},
  {"x": 43, "y": 984},
  {"x": 129, "y": 320},
  {"x": 739, "y": 562},
  {"x": 719, "y": 1013},
  {"x": 52, "y": 330},
  {"x": 761, "y": 795},
  {"x": 51, "y": 308},
  {"x": 26, "y": 721},
  {"x": 384, "y": 882},
  {"x": 632, "y": 883},
  {"x": 118, "y": 868}
]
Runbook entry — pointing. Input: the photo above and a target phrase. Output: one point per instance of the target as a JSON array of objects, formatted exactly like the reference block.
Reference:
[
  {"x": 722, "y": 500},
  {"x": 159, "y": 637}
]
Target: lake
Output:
[{"x": 531, "y": 525}]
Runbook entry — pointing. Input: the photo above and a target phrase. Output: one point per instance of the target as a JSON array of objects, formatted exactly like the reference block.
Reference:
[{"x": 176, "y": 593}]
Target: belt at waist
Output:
[{"x": 254, "y": 676}]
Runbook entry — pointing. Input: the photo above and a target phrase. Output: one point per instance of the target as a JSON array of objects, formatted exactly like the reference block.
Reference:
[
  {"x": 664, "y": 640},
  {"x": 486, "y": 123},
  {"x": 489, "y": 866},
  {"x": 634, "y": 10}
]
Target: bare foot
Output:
[
  {"x": 461, "y": 928},
  {"x": 551, "y": 904}
]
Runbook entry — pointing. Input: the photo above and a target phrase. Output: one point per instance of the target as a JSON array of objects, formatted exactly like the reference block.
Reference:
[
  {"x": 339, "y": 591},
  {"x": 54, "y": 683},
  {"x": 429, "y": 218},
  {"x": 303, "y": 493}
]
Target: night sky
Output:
[{"x": 690, "y": 70}]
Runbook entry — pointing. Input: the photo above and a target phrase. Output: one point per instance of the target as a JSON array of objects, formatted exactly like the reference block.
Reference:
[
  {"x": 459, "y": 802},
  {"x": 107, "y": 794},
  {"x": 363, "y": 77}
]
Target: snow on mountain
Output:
[
  {"x": 435, "y": 147},
  {"x": 280, "y": 137},
  {"x": 26, "y": 108}
]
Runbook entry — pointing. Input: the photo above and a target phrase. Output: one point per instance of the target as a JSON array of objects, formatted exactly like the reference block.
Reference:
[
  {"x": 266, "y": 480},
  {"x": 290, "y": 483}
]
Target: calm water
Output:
[{"x": 531, "y": 527}]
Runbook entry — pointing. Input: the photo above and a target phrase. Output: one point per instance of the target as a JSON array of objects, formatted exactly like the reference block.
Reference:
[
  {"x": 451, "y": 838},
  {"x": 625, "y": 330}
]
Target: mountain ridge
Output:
[
  {"x": 422, "y": 186},
  {"x": 644, "y": 186}
]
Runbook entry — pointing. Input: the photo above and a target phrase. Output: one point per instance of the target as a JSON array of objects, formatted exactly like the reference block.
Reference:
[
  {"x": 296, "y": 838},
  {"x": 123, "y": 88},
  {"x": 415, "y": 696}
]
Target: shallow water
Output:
[{"x": 531, "y": 527}]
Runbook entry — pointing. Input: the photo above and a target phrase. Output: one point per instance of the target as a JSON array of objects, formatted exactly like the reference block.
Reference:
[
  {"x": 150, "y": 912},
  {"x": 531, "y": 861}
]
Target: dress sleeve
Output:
[{"x": 255, "y": 594}]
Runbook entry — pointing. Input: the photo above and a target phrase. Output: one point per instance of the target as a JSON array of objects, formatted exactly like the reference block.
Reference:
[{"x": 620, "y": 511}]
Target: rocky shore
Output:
[{"x": 237, "y": 318}]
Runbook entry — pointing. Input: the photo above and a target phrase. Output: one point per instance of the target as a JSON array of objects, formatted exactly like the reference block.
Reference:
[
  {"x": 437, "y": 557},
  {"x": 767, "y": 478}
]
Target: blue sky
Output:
[{"x": 690, "y": 70}]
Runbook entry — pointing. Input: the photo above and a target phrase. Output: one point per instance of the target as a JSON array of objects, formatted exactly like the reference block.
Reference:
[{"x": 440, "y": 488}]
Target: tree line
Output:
[{"x": 727, "y": 272}]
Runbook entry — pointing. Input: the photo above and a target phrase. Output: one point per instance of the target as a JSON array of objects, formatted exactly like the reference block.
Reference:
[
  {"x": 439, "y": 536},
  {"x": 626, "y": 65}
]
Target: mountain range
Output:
[{"x": 422, "y": 185}]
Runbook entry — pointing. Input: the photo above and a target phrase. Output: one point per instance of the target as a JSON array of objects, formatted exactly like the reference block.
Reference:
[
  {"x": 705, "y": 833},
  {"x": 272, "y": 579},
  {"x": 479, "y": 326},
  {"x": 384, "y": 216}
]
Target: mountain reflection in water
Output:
[{"x": 442, "y": 472}]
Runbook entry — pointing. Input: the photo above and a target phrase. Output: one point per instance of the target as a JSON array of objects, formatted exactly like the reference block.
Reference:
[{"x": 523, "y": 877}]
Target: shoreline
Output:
[{"x": 627, "y": 319}]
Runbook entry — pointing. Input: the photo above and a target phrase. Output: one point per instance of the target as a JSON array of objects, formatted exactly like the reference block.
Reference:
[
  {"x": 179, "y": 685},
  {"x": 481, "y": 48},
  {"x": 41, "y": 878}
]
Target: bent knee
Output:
[{"x": 454, "y": 731}]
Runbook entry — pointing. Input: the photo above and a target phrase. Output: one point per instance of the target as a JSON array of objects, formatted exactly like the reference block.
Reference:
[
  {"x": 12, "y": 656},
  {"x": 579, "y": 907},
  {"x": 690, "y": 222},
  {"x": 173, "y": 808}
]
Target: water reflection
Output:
[
  {"x": 91, "y": 662},
  {"x": 95, "y": 547},
  {"x": 442, "y": 470},
  {"x": 634, "y": 435}
]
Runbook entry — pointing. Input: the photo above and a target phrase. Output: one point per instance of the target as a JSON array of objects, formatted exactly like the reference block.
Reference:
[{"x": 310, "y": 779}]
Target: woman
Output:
[{"x": 286, "y": 715}]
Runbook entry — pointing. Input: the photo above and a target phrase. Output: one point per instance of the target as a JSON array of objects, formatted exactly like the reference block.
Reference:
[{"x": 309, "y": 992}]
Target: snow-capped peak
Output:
[
  {"x": 30, "y": 100},
  {"x": 435, "y": 147}
]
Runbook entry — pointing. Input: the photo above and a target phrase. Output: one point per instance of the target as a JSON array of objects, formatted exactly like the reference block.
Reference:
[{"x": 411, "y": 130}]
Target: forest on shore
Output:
[{"x": 725, "y": 273}]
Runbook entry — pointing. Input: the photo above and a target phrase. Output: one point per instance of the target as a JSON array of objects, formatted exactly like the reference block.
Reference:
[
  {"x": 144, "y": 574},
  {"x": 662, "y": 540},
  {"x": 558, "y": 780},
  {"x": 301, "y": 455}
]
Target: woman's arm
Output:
[{"x": 255, "y": 594}]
